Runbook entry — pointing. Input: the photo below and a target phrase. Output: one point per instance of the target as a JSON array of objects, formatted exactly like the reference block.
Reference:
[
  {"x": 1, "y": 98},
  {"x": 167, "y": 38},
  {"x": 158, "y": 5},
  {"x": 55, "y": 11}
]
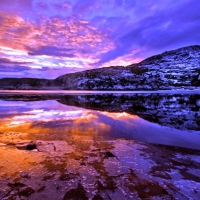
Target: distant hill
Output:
[
  {"x": 175, "y": 69},
  {"x": 24, "y": 83}
]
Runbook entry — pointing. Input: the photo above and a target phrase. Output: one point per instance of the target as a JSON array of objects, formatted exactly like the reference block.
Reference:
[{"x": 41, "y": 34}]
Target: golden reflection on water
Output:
[{"x": 57, "y": 124}]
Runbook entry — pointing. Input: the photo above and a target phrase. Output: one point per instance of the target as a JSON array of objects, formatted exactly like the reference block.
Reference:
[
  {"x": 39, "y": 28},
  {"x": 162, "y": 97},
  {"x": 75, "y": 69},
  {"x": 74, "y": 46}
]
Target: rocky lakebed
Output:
[{"x": 94, "y": 168}]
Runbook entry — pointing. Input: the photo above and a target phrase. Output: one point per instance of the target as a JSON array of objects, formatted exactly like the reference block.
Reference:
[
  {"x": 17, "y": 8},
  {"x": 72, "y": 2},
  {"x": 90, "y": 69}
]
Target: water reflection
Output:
[
  {"x": 181, "y": 111},
  {"x": 175, "y": 117},
  {"x": 174, "y": 110}
]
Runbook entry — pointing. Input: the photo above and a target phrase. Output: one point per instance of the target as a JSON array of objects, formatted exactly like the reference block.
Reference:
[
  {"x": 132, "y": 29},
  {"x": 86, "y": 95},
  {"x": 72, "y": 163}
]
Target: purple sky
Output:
[{"x": 51, "y": 38}]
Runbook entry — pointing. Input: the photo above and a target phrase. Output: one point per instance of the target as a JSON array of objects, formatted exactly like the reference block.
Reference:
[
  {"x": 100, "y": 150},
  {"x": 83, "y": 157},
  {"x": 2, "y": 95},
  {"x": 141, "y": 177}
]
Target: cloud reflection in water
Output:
[{"x": 50, "y": 120}]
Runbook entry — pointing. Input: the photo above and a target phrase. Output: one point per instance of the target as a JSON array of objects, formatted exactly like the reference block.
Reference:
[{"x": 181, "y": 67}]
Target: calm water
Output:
[{"x": 161, "y": 118}]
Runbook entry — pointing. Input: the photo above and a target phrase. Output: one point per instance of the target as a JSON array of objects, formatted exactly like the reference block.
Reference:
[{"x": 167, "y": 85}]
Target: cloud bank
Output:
[{"x": 48, "y": 39}]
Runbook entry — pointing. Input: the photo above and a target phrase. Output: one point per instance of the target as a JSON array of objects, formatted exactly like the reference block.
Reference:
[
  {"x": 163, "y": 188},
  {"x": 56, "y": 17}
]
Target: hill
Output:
[{"x": 177, "y": 69}]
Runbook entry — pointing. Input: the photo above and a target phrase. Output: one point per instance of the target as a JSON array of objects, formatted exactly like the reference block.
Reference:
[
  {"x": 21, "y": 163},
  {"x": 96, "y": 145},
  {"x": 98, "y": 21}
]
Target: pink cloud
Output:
[
  {"x": 84, "y": 43},
  {"x": 54, "y": 32},
  {"x": 15, "y": 32}
]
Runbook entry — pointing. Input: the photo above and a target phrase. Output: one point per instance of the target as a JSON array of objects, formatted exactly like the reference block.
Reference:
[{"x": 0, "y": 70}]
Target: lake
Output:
[{"x": 55, "y": 122}]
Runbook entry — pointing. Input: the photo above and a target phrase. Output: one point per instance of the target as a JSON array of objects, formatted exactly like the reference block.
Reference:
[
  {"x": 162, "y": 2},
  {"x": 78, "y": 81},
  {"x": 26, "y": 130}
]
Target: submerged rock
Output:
[{"x": 27, "y": 146}]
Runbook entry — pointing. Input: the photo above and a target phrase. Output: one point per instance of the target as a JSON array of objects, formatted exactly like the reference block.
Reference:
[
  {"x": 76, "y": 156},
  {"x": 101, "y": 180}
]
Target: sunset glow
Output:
[{"x": 48, "y": 39}]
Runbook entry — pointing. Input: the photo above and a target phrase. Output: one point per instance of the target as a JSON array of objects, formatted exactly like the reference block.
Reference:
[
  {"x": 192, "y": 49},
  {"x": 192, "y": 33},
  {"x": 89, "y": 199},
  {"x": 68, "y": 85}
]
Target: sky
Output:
[{"x": 46, "y": 39}]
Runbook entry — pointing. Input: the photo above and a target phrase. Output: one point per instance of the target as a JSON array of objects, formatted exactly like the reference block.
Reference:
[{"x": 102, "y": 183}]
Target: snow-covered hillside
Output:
[{"x": 175, "y": 69}]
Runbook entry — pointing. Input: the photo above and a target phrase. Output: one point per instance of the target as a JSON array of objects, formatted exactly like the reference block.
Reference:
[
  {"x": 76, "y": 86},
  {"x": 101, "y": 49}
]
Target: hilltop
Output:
[{"x": 174, "y": 69}]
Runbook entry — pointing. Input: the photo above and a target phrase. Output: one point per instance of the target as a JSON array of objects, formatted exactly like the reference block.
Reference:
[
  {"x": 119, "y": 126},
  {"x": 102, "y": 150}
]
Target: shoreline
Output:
[{"x": 178, "y": 91}]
